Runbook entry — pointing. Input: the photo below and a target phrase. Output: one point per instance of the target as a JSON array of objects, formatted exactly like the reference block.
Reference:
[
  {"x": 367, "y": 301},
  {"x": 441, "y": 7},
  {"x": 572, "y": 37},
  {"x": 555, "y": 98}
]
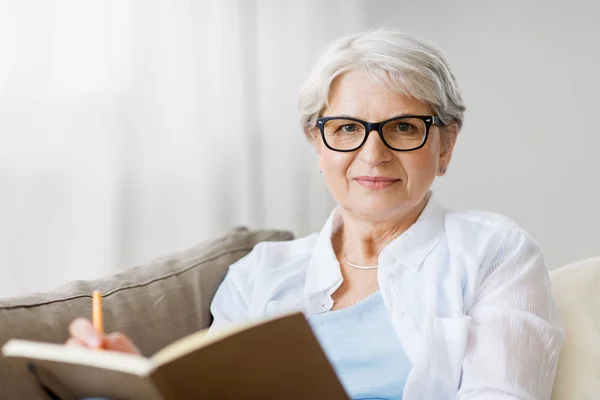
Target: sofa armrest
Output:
[{"x": 155, "y": 304}]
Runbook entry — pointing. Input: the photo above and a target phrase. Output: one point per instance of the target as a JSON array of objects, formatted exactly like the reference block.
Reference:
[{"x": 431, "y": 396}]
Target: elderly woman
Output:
[{"x": 408, "y": 299}]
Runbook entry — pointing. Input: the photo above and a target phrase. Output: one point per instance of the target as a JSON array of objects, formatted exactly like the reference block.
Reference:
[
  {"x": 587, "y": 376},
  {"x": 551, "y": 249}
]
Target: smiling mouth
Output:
[{"x": 375, "y": 182}]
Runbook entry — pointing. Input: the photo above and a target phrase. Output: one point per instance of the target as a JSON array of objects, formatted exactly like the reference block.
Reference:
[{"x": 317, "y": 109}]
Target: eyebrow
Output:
[{"x": 352, "y": 116}]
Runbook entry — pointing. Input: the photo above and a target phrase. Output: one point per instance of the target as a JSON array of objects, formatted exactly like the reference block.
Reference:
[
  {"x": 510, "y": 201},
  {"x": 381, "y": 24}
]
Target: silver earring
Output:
[
  {"x": 321, "y": 172},
  {"x": 442, "y": 170}
]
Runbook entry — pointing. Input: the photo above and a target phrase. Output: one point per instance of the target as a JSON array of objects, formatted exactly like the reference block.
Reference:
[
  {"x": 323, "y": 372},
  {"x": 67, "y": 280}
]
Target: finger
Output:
[
  {"x": 72, "y": 342},
  {"x": 82, "y": 330},
  {"x": 117, "y": 341}
]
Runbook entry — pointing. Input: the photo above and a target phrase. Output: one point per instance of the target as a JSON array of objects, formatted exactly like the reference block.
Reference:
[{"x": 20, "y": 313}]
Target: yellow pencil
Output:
[{"x": 97, "y": 314}]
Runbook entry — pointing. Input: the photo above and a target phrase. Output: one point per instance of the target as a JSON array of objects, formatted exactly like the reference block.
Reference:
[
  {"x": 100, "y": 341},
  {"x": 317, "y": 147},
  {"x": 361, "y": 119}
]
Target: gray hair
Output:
[{"x": 399, "y": 61}]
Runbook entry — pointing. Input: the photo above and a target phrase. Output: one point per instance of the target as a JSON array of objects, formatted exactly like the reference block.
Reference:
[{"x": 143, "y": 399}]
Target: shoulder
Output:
[
  {"x": 482, "y": 236},
  {"x": 477, "y": 221},
  {"x": 483, "y": 227},
  {"x": 268, "y": 256},
  {"x": 288, "y": 250},
  {"x": 270, "y": 270}
]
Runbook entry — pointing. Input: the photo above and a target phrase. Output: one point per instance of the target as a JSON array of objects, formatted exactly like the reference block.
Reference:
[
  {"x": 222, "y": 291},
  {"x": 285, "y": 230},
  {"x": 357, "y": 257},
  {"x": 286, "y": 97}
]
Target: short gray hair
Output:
[{"x": 400, "y": 61}]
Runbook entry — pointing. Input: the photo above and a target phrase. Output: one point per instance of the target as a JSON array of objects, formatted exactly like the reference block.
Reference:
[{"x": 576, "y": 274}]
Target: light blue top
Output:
[{"x": 364, "y": 349}]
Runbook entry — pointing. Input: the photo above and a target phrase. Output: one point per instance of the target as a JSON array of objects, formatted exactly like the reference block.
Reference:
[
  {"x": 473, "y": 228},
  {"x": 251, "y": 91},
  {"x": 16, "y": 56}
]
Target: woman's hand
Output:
[{"x": 84, "y": 335}]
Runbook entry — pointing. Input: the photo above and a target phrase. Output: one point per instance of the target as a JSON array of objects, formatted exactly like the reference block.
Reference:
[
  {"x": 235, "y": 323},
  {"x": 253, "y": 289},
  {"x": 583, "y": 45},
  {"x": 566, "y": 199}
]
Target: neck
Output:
[{"x": 360, "y": 240}]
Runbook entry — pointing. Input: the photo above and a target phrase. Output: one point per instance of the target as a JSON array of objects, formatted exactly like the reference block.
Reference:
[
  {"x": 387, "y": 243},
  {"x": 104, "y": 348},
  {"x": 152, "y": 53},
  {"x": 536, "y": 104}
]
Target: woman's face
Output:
[{"x": 402, "y": 178}]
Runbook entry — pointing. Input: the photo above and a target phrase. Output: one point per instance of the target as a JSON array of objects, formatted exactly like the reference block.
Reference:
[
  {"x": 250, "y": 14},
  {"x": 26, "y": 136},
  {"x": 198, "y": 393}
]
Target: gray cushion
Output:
[{"x": 155, "y": 304}]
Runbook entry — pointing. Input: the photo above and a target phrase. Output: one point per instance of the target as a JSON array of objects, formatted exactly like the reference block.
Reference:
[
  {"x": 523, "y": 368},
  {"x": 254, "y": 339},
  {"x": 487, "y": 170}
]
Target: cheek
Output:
[
  {"x": 420, "y": 165},
  {"x": 335, "y": 163}
]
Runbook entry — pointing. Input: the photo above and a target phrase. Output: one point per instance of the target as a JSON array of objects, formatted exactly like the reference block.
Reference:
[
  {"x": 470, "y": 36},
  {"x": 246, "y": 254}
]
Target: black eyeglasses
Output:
[{"x": 402, "y": 133}]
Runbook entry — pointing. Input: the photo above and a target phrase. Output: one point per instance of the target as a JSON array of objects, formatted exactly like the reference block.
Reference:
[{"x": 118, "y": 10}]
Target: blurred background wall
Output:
[{"x": 131, "y": 129}]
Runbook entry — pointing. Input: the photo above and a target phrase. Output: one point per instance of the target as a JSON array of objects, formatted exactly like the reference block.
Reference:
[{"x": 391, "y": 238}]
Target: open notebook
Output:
[{"x": 275, "y": 359}]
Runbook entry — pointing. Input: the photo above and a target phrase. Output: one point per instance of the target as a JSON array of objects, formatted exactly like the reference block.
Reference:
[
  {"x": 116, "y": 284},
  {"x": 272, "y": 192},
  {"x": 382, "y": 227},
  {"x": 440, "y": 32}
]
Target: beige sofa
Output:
[
  {"x": 167, "y": 299},
  {"x": 155, "y": 304},
  {"x": 576, "y": 288}
]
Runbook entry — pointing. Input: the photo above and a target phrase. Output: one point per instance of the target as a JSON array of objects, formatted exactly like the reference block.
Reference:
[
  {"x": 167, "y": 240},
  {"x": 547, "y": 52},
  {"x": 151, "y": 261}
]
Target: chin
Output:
[{"x": 375, "y": 207}]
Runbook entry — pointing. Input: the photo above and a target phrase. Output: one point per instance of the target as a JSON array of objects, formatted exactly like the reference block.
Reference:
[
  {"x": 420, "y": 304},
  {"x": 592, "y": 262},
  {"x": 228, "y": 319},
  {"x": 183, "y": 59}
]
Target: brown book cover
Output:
[{"x": 275, "y": 359}]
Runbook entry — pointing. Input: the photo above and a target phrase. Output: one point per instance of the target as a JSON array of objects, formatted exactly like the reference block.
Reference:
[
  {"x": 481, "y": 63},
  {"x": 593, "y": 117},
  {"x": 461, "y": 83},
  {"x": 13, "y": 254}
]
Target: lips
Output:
[{"x": 375, "y": 182}]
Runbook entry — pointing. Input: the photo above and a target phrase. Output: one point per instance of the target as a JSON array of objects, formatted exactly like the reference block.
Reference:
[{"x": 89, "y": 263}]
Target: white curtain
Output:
[{"x": 132, "y": 129}]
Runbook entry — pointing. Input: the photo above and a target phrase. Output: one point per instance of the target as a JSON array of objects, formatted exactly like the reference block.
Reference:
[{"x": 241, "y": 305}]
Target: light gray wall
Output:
[
  {"x": 110, "y": 153},
  {"x": 530, "y": 74}
]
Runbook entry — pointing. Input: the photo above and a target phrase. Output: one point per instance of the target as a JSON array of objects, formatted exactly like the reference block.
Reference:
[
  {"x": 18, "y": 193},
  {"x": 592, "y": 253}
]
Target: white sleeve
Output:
[
  {"x": 515, "y": 335},
  {"x": 231, "y": 304}
]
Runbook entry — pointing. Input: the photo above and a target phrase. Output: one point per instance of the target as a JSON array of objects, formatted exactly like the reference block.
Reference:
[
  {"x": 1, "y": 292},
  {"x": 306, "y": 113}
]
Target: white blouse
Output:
[{"x": 466, "y": 291}]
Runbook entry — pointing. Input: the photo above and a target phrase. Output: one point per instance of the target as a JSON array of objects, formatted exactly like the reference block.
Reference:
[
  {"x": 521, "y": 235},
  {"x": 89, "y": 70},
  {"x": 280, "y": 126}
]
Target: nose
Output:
[{"x": 374, "y": 151}]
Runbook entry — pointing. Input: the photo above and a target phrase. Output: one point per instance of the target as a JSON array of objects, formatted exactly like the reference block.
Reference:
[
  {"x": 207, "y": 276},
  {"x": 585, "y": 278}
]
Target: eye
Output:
[
  {"x": 404, "y": 126},
  {"x": 348, "y": 128}
]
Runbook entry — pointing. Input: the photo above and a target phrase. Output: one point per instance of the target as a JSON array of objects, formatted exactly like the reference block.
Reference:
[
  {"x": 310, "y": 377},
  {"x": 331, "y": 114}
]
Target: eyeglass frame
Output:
[{"x": 429, "y": 120}]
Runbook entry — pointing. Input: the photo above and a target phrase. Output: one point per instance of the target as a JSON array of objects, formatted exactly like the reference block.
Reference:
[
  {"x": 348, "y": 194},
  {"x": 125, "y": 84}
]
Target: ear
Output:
[
  {"x": 448, "y": 137},
  {"x": 315, "y": 139}
]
